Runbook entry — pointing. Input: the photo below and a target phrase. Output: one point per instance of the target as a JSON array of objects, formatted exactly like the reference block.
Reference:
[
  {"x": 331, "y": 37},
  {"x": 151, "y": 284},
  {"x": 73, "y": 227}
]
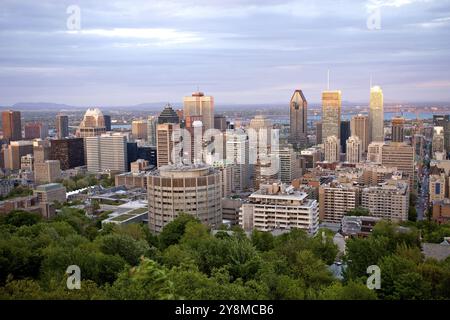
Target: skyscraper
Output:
[
  {"x": 237, "y": 151},
  {"x": 200, "y": 105},
  {"x": 345, "y": 134},
  {"x": 151, "y": 130},
  {"x": 398, "y": 129},
  {"x": 332, "y": 146},
  {"x": 376, "y": 115},
  {"x": 106, "y": 152},
  {"x": 35, "y": 130},
  {"x": 401, "y": 156},
  {"x": 167, "y": 143},
  {"x": 139, "y": 129},
  {"x": 12, "y": 125},
  {"x": 359, "y": 127},
  {"x": 354, "y": 150},
  {"x": 62, "y": 126},
  {"x": 438, "y": 143},
  {"x": 69, "y": 152},
  {"x": 15, "y": 151},
  {"x": 319, "y": 132},
  {"x": 331, "y": 114},
  {"x": 93, "y": 124},
  {"x": 168, "y": 115},
  {"x": 298, "y": 116},
  {"x": 444, "y": 122},
  {"x": 107, "y": 119},
  {"x": 260, "y": 148}
]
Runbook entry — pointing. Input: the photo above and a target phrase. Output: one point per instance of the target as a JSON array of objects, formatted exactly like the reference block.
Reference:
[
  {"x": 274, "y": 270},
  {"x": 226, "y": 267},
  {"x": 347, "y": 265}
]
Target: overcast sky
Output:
[{"x": 239, "y": 51}]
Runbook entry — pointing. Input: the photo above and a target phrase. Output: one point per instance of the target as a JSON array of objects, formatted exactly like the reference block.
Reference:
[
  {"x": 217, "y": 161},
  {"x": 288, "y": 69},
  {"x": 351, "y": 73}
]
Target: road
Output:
[{"x": 422, "y": 197}]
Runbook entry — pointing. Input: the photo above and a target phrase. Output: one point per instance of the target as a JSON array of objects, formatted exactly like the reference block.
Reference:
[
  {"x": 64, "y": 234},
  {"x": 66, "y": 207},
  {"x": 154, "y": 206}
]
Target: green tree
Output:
[
  {"x": 147, "y": 281},
  {"x": 124, "y": 246},
  {"x": 173, "y": 231},
  {"x": 21, "y": 218},
  {"x": 358, "y": 211}
]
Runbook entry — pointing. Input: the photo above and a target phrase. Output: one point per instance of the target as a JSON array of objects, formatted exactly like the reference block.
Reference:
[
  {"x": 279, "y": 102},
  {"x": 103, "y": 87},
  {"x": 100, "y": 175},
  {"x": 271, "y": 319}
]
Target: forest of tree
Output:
[{"x": 186, "y": 261}]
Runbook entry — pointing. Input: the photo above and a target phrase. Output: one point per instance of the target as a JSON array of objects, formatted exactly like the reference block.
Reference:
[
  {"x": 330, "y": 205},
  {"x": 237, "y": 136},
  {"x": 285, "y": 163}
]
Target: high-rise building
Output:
[
  {"x": 375, "y": 151},
  {"x": 332, "y": 147},
  {"x": 354, "y": 150},
  {"x": 278, "y": 207},
  {"x": 345, "y": 134},
  {"x": 152, "y": 121},
  {"x": 260, "y": 148},
  {"x": 139, "y": 129},
  {"x": 290, "y": 167},
  {"x": 200, "y": 105},
  {"x": 237, "y": 154},
  {"x": 47, "y": 172},
  {"x": 168, "y": 144},
  {"x": 41, "y": 150},
  {"x": 331, "y": 114},
  {"x": 107, "y": 119},
  {"x": 93, "y": 124},
  {"x": 168, "y": 115},
  {"x": 298, "y": 115},
  {"x": 376, "y": 115},
  {"x": 398, "y": 129},
  {"x": 176, "y": 189},
  {"x": 106, "y": 152},
  {"x": 359, "y": 127},
  {"x": 319, "y": 139},
  {"x": 438, "y": 189},
  {"x": 220, "y": 122},
  {"x": 62, "y": 126},
  {"x": 444, "y": 122},
  {"x": 69, "y": 152},
  {"x": 35, "y": 130},
  {"x": 12, "y": 125},
  {"x": 311, "y": 156},
  {"x": 438, "y": 143},
  {"x": 401, "y": 156},
  {"x": 15, "y": 151}
]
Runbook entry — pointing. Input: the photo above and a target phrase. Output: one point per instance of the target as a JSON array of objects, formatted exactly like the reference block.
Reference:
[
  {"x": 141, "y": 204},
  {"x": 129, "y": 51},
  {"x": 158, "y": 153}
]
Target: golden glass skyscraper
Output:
[
  {"x": 331, "y": 114},
  {"x": 200, "y": 105},
  {"x": 376, "y": 114}
]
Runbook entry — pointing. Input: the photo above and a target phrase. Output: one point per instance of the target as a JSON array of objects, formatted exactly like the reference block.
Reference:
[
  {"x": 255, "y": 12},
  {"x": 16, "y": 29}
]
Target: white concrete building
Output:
[{"x": 276, "y": 207}]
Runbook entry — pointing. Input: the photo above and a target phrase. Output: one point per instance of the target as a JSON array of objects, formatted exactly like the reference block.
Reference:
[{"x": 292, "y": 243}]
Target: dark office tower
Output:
[
  {"x": 69, "y": 152},
  {"x": 345, "y": 134},
  {"x": 107, "y": 118},
  {"x": 220, "y": 122},
  {"x": 132, "y": 153},
  {"x": 147, "y": 153},
  {"x": 62, "y": 126},
  {"x": 398, "y": 129},
  {"x": 298, "y": 116},
  {"x": 12, "y": 125},
  {"x": 318, "y": 132},
  {"x": 443, "y": 121},
  {"x": 168, "y": 115}
]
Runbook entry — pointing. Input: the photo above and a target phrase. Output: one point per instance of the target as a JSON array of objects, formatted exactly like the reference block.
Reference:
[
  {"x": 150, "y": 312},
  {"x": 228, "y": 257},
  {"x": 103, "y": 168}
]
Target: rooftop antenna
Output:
[
  {"x": 328, "y": 80},
  {"x": 370, "y": 81}
]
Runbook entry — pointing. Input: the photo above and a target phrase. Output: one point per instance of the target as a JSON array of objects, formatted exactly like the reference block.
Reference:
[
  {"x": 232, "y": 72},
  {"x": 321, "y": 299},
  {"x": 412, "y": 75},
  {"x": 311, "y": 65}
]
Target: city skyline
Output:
[{"x": 242, "y": 51}]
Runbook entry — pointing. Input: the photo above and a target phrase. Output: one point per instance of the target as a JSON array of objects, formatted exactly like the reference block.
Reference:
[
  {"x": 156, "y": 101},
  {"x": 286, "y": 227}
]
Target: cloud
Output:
[{"x": 161, "y": 36}]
